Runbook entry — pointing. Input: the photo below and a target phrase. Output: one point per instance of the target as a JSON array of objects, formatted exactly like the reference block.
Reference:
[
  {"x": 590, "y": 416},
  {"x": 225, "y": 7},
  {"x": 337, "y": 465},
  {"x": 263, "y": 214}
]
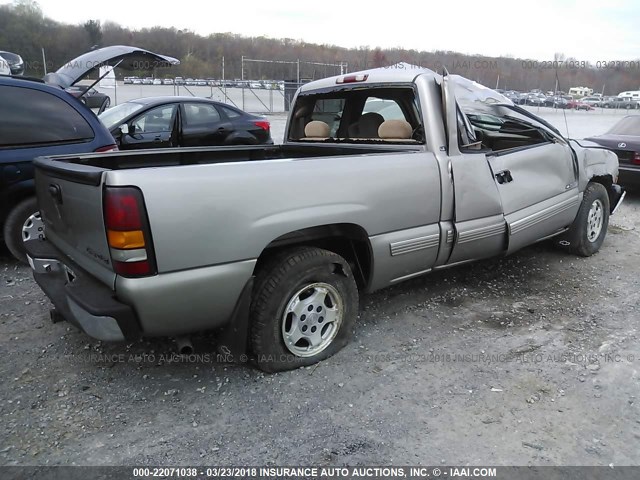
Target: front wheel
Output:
[
  {"x": 586, "y": 235},
  {"x": 304, "y": 306}
]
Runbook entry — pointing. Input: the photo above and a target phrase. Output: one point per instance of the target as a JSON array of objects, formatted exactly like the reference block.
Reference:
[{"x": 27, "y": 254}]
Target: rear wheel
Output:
[
  {"x": 304, "y": 306},
  {"x": 586, "y": 235},
  {"x": 22, "y": 224}
]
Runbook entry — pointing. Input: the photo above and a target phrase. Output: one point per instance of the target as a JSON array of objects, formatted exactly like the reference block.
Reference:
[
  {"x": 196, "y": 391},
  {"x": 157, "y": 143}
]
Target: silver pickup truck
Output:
[{"x": 383, "y": 175}]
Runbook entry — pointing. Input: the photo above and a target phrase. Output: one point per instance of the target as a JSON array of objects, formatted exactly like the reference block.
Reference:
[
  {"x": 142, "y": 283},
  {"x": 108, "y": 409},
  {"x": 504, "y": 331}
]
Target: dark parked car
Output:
[
  {"x": 41, "y": 118},
  {"x": 158, "y": 122},
  {"x": 536, "y": 100},
  {"x": 15, "y": 62},
  {"x": 556, "y": 101},
  {"x": 90, "y": 97},
  {"x": 624, "y": 140},
  {"x": 520, "y": 98},
  {"x": 626, "y": 103}
]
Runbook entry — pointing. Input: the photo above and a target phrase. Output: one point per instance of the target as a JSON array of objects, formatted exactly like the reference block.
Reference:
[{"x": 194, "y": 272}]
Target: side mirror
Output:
[{"x": 124, "y": 129}]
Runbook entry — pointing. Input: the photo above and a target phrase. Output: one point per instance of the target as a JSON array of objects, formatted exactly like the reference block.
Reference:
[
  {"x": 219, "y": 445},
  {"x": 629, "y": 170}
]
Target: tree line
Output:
[{"x": 26, "y": 31}]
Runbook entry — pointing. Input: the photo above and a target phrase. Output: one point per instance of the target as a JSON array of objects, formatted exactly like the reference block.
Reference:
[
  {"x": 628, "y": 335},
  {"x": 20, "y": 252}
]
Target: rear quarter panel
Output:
[{"x": 212, "y": 214}]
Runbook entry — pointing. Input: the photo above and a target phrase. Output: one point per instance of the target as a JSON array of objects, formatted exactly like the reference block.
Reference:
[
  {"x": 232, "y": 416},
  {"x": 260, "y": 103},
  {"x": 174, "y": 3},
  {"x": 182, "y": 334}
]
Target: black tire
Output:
[
  {"x": 277, "y": 284},
  {"x": 577, "y": 240},
  {"x": 13, "y": 227}
]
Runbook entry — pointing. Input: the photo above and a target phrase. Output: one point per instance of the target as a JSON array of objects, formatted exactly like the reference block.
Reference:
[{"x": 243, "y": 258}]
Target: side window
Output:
[
  {"x": 158, "y": 119},
  {"x": 35, "y": 117},
  {"x": 499, "y": 133},
  {"x": 230, "y": 113},
  {"x": 197, "y": 114}
]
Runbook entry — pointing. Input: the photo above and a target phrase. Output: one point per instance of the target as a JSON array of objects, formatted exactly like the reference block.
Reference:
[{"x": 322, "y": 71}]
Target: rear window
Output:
[
  {"x": 231, "y": 113},
  {"x": 357, "y": 116},
  {"x": 37, "y": 118}
]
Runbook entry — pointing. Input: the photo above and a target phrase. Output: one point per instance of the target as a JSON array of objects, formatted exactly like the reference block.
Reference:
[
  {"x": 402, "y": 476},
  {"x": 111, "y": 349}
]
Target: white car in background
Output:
[{"x": 4, "y": 67}]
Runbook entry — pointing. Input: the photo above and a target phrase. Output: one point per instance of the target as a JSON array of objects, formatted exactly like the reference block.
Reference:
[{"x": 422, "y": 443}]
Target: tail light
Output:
[
  {"x": 107, "y": 148},
  {"x": 636, "y": 158},
  {"x": 128, "y": 232},
  {"x": 263, "y": 124}
]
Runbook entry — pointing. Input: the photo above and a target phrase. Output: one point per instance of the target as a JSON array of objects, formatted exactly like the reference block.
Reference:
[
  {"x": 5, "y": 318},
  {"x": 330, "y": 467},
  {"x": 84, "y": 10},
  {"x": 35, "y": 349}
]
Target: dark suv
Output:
[
  {"x": 42, "y": 119},
  {"x": 37, "y": 119}
]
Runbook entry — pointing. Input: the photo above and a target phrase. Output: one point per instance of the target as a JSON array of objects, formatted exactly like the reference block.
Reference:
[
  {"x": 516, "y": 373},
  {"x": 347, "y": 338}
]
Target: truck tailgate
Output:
[{"x": 70, "y": 202}]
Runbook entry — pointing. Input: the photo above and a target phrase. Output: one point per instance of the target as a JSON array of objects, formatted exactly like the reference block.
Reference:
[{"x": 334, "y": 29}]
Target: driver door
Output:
[
  {"x": 154, "y": 128},
  {"x": 538, "y": 186},
  {"x": 532, "y": 188}
]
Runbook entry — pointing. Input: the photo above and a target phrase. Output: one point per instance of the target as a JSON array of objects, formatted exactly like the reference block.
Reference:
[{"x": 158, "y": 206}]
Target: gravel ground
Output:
[{"x": 531, "y": 359}]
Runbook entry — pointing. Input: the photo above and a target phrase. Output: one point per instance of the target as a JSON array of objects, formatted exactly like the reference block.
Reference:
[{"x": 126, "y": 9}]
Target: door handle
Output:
[{"x": 504, "y": 177}]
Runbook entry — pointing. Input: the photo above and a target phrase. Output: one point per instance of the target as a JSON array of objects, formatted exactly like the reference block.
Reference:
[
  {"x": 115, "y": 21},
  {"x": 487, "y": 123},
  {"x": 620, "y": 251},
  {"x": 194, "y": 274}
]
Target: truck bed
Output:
[{"x": 213, "y": 211}]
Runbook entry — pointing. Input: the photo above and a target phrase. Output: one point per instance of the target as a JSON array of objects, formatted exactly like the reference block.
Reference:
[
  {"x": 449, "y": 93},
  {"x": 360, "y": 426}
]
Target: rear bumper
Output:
[
  {"x": 78, "y": 297},
  {"x": 177, "y": 303},
  {"x": 629, "y": 175},
  {"x": 616, "y": 196}
]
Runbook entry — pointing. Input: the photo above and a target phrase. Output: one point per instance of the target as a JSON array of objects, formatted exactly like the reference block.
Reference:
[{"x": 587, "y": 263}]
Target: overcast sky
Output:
[{"x": 585, "y": 29}]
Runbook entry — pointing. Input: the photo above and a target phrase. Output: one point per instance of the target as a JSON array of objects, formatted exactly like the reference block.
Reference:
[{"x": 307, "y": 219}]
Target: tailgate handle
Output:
[{"x": 56, "y": 192}]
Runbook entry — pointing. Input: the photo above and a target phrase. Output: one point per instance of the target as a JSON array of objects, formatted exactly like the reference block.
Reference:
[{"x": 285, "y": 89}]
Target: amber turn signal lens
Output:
[{"x": 126, "y": 239}]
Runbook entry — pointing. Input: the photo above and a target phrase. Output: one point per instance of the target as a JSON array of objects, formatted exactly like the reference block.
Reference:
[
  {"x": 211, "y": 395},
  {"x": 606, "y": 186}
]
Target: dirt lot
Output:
[{"x": 530, "y": 359}]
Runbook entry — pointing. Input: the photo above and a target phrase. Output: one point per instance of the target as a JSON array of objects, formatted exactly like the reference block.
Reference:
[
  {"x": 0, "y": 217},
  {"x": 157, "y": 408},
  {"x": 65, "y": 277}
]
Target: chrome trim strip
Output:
[
  {"x": 542, "y": 215},
  {"x": 481, "y": 233},
  {"x": 413, "y": 245},
  {"x": 411, "y": 275}
]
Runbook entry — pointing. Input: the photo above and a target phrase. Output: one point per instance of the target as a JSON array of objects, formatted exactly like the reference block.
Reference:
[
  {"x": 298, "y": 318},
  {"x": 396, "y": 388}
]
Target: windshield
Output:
[
  {"x": 114, "y": 116},
  {"x": 627, "y": 126}
]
